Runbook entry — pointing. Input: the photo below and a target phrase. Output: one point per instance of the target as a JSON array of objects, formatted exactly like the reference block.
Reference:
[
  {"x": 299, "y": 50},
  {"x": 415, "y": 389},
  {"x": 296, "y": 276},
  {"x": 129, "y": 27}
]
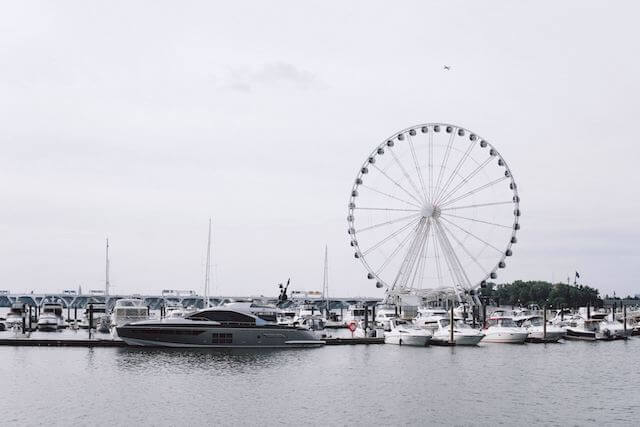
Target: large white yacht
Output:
[
  {"x": 220, "y": 327},
  {"x": 404, "y": 332},
  {"x": 502, "y": 329}
]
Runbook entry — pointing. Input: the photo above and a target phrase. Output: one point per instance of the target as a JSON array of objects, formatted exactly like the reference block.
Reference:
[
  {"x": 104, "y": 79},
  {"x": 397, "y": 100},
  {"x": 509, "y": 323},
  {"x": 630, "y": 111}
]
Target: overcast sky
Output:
[{"x": 140, "y": 120}]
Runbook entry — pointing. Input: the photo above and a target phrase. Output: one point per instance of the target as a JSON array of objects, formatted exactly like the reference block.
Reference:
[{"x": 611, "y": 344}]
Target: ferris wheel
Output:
[{"x": 434, "y": 208}]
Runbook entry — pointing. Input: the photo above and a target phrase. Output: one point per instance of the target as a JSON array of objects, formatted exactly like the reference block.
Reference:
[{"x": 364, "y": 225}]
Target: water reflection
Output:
[{"x": 223, "y": 361}]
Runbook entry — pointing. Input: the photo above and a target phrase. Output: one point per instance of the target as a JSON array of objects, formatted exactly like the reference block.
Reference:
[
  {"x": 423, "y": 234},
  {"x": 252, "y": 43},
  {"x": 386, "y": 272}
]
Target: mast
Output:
[
  {"x": 207, "y": 273},
  {"x": 325, "y": 280},
  {"x": 106, "y": 281}
]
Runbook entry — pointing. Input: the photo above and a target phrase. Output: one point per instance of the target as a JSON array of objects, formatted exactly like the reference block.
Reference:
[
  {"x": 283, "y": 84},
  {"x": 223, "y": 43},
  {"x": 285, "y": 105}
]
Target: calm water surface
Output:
[{"x": 575, "y": 383}]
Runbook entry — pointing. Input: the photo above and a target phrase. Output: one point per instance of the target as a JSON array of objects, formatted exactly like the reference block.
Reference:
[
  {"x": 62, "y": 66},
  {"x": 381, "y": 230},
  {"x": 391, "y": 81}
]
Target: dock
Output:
[{"x": 46, "y": 342}]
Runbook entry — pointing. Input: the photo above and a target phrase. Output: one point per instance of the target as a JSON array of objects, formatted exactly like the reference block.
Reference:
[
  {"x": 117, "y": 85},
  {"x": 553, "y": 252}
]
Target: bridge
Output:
[{"x": 155, "y": 302}]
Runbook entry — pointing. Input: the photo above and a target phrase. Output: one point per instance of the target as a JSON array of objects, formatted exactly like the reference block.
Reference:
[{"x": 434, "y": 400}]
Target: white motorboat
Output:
[
  {"x": 427, "y": 318},
  {"x": 463, "y": 334},
  {"x": 51, "y": 317},
  {"x": 384, "y": 314},
  {"x": 503, "y": 330},
  {"x": 535, "y": 327},
  {"x": 220, "y": 327},
  {"x": 589, "y": 330},
  {"x": 99, "y": 311},
  {"x": 405, "y": 333},
  {"x": 128, "y": 310},
  {"x": 13, "y": 320},
  {"x": 356, "y": 314}
]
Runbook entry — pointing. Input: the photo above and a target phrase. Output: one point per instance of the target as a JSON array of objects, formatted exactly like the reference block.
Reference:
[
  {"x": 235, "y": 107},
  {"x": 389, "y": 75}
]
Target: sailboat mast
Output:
[
  {"x": 325, "y": 280},
  {"x": 106, "y": 281},
  {"x": 207, "y": 276}
]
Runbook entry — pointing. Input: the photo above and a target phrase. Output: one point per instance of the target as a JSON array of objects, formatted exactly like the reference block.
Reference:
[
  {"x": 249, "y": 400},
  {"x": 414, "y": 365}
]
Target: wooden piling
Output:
[
  {"x": 544, "y": 323},
  {"x": 451, "y": 340},
  {"x": 90, "y": 319}
]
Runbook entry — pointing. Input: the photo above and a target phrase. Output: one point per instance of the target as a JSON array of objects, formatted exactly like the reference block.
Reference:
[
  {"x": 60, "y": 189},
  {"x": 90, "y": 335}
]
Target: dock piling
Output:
[
  {"x": 90, "y": 319},
  {"x": 544, "y": 323},
  {"x": 451, "y": 340}
]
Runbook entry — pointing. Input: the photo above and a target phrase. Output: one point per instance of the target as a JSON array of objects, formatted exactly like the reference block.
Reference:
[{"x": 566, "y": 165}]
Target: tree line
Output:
[{"x": 521, "y": 293}]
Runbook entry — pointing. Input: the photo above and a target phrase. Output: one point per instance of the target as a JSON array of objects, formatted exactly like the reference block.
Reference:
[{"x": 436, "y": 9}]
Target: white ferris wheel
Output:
[{"x": 434, "y": 210}]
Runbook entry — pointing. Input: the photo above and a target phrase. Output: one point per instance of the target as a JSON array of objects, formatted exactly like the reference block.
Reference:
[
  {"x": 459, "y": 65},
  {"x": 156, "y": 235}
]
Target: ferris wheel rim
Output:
[{"x": 389, "y": 142}]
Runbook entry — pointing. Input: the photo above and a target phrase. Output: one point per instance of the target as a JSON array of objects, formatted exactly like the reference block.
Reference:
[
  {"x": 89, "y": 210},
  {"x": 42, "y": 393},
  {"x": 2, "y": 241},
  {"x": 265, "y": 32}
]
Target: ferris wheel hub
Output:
[{"x": 430, "y": 211}]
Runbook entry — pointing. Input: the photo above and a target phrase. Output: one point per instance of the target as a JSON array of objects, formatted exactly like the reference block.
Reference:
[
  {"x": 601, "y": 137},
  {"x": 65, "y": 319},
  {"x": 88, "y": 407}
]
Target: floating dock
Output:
[{"x": 45, "y": 342}]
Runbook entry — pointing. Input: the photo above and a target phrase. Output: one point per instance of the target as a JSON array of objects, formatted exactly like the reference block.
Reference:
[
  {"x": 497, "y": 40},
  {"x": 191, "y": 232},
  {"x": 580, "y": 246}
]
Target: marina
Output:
[{"x": 325, "y": 213}]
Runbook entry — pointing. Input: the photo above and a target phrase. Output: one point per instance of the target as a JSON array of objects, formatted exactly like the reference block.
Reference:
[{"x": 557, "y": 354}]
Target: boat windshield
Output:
[
  {"x": 506, "y": 323},
  {"x": 535, "y": 321}
]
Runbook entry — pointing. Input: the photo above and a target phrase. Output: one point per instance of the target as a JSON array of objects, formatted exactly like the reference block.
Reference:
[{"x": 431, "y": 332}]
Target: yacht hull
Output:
[{"x": 217, "y": 337}]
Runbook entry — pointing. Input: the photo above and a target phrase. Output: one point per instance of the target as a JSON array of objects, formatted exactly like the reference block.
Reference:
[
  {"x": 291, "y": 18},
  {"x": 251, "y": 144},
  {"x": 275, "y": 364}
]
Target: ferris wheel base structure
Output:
[{"x": 433, "y": 212}]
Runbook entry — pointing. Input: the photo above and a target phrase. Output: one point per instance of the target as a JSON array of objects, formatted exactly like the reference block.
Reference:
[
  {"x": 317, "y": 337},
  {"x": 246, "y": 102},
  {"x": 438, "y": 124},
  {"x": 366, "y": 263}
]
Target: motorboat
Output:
[
  {"x": 127, "y": 310},
  {"x": 428, "y": 318},
  {"x": 99, "y": 311},
  {"x": 404, "y": 332},
  {"x": 504, "y": 330},
  {"x": 356, "y": 314},
  {"x": 218, "y": 327},
  {"x": 463, "y": 334},
  {"x": 14, "y": 317},
  {"x": 384, "y": 314},
  {"x": 534, "y": 325},
  {"x": 50, "y": 318},
  {"x": 177, "y": 311},
  {"x": 587, "y": 329}
]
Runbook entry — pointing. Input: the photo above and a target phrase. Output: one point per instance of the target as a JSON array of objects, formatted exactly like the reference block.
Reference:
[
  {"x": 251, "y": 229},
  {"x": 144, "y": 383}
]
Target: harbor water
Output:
[{"x": 564, "y": 384}]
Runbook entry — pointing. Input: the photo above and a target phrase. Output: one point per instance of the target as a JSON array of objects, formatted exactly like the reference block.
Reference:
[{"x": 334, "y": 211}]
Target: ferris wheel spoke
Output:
[
  {"x": 425, "y": 252},
  {"x": 404, "y": 273},
  {"x": 455, "y": 170},
  {"x": 463, "y": 278},
  {"x": 467, "y": 178},
  {"x": 397, "y": 249},
  {"x": 387, "y": 209},
  {"x": 397, "y": 184},
  {"x": 406, "y": 174},
  {"x": 390, "y": 236},
  {"x": 417, "y": 165},
  {"x": 389, "y": 195},
  {"x": 430, "y": 167},
  {"x": 436, "y": 253},
  {"x": 421, "y": 258},
  {"x": 464, "y": 248},
  {"x": 382, "y": 224},
  {"x": 479, "y": 205},
  {"x": 443, "y": 165},
  {"x": 445, "y": 255},
  {"x": 479, "y": 220},
  {"x": 448, "y": 201},
  {"x": 471, "y": 234}
]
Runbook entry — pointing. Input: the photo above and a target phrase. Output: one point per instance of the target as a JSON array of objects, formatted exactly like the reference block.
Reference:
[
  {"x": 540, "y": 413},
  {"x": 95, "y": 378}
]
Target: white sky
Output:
[{"x": 139, "y": 120}]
